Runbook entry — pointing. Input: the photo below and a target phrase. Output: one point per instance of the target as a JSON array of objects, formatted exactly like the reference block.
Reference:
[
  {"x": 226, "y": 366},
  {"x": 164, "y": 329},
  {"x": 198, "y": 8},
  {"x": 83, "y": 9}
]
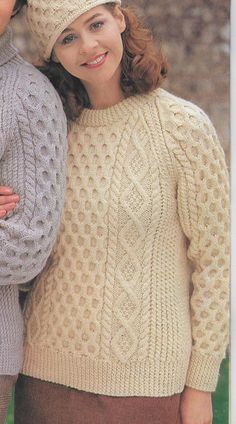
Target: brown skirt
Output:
[{"x": 41, "y": 402}]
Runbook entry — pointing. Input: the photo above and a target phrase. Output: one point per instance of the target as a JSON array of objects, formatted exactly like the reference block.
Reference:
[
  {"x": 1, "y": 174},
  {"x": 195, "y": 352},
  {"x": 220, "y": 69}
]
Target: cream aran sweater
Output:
[{"x": 135, "y": 300}]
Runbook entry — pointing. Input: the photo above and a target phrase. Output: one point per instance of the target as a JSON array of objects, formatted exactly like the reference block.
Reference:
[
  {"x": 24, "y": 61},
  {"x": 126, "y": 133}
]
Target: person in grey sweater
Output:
[{"x": 33, "y": 150}]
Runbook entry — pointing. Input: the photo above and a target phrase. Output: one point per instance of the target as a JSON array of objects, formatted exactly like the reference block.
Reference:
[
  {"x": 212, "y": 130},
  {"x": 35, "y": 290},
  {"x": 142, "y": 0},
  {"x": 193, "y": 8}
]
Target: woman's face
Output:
[
  {"x": 6, "y": 11},
  {"x": 91, "y": 47}
]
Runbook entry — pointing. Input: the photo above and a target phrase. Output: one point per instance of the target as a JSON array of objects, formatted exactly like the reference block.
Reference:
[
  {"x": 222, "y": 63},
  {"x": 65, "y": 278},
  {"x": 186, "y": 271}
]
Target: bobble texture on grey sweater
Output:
[{"x": 33, "y": 152}]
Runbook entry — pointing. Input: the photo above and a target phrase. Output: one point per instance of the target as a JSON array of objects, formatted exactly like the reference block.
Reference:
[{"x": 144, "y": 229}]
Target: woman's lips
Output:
[{"x": 96, "y": 61}]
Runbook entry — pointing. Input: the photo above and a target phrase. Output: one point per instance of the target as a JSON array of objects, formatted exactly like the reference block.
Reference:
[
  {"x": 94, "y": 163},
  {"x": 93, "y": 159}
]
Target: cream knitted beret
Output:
[{"x": 48, "y": 18}]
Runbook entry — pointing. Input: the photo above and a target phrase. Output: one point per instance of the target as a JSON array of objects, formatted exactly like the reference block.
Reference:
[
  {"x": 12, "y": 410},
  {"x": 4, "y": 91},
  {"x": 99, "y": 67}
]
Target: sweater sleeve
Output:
[
  {"x": 203, "y": 207},
  {"x": 34, "y": 164}
]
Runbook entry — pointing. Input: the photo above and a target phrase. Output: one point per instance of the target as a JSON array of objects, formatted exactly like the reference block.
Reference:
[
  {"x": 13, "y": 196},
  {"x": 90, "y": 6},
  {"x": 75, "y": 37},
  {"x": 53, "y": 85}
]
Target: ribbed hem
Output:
[
  {"x": 203, "y": 372},
  {"x": 148, "y": 378}
]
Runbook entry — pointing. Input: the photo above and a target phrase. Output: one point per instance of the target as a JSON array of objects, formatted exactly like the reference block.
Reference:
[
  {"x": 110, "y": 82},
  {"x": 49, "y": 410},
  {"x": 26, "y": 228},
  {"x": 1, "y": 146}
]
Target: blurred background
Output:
[{"x": 194, "y": 35}]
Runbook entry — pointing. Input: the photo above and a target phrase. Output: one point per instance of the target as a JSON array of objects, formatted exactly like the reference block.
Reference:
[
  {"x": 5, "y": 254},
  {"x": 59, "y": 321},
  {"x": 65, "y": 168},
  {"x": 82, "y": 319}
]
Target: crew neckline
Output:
[{"x": 119, "y": 112}]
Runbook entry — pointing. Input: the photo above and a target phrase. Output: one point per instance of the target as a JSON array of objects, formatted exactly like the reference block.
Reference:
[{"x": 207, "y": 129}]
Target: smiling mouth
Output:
[{"x": 97, "y": 61}]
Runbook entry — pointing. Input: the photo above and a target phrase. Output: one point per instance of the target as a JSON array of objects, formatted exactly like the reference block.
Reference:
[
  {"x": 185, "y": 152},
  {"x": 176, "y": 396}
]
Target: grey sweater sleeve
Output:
[
  {"x": 33, "y": 150},
  {"x": 33, "y": 163}
]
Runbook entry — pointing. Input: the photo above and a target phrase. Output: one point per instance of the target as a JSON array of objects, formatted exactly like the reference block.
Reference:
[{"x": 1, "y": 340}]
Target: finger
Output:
[
  {"x": 2, "y": 213},
  {"x": 6, "y": 190},
  {"x": 9, "y": 207},
  {"x": 179, "y": 421},
  {"x": 178, "y": 418},
  {"x": 4, "y": 200}
]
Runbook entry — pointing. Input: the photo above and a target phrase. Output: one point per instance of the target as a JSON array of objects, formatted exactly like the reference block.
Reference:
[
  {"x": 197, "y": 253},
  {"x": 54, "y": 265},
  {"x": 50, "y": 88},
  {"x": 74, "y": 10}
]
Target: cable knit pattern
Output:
[
  {"x": 144, "y": 231},
  {"x": 33, "y": 162}
]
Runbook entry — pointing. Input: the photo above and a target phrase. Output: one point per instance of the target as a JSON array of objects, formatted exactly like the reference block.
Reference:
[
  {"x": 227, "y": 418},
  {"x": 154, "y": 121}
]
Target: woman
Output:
[
  {"x": 32, "y": 162},
  {"x": 129, "y": 323}
]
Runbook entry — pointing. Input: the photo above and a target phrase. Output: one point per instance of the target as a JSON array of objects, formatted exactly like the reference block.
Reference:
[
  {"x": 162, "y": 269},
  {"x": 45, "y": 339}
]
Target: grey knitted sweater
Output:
[{"x": 33, "y": 151}]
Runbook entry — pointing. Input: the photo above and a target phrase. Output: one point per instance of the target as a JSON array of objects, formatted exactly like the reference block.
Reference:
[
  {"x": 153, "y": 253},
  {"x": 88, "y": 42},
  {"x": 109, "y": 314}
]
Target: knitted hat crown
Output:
[{"x": 48, "y": 18}]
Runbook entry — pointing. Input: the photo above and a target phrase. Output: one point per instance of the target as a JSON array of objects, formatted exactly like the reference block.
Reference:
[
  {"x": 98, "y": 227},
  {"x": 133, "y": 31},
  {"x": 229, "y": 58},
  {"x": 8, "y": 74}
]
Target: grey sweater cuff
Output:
[{"x": 11, "y": 331}]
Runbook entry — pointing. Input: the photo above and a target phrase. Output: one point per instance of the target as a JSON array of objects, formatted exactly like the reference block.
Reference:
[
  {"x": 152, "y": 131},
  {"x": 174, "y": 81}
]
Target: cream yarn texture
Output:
[
  {"x": 47, "y": 19},
  {"x": 146, "y": 219}
]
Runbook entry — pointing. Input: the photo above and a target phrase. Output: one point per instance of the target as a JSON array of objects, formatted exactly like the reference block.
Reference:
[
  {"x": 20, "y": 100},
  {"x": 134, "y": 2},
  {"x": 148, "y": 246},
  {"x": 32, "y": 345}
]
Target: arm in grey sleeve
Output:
[{"x": 34, "y": 165}]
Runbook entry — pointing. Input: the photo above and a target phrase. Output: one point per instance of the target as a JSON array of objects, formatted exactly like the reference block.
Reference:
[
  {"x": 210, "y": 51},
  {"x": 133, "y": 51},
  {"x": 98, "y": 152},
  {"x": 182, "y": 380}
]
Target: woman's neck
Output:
[{"x": 105, "y": 95}]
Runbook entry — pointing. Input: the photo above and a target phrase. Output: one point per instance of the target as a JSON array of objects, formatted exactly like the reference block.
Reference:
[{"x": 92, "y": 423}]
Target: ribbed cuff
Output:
[
  {"x": 203, "y": 371},
  {"x": 11, "y": 358},
  {"x": 11, "y": 331}
]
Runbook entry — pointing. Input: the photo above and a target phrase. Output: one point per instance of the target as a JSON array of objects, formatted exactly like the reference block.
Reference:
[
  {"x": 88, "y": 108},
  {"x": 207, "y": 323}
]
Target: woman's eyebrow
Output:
[
  {"x": 66, "y": 30},
  {"x": 86, "y": 22},
  {"x": 92, "y": 17}
]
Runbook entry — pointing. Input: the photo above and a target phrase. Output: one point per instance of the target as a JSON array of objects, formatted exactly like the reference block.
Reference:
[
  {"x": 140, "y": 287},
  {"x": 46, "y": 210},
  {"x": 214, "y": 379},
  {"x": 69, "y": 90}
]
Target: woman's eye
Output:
[
  {"x": 68, "y": 39},
  {"x": 96, "y": 25}
]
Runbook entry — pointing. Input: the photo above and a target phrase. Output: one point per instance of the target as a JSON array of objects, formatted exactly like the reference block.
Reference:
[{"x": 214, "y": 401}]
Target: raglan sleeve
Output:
[
  {"x": 203, "y": 208},
  {"x": 34, "y": 165}
]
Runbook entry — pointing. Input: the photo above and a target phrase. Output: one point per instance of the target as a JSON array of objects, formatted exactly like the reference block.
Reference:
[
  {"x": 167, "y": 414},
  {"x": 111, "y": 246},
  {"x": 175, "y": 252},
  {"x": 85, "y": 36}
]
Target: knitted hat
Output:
[{"x": 48, "y": 18}]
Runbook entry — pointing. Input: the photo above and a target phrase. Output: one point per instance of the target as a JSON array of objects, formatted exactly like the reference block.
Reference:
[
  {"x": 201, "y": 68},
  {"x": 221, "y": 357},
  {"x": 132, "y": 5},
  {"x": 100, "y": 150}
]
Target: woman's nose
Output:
[{"x": 88, "y": 44}]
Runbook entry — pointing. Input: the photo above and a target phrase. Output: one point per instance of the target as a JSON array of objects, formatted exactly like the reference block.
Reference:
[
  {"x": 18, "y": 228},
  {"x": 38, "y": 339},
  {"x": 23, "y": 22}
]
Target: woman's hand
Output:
[
  {"x": 8, "y": 200},
  {"x": 195, "y": 407},
  {"x": 6, "y": 11}
]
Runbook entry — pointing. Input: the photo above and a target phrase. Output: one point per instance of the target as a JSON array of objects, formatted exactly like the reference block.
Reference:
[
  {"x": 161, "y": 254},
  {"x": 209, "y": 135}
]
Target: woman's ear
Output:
[{"x": 120, "y": 19}]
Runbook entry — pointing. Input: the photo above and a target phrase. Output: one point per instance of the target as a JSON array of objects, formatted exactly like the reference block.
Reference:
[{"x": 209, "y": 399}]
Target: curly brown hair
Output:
[{"x": 143, "y": 67}]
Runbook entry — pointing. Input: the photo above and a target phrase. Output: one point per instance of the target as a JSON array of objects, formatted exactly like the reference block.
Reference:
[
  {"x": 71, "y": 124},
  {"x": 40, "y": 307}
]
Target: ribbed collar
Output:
[
  {"x": 7, "y": 51},
  {"x": 119, "y": 112}
]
